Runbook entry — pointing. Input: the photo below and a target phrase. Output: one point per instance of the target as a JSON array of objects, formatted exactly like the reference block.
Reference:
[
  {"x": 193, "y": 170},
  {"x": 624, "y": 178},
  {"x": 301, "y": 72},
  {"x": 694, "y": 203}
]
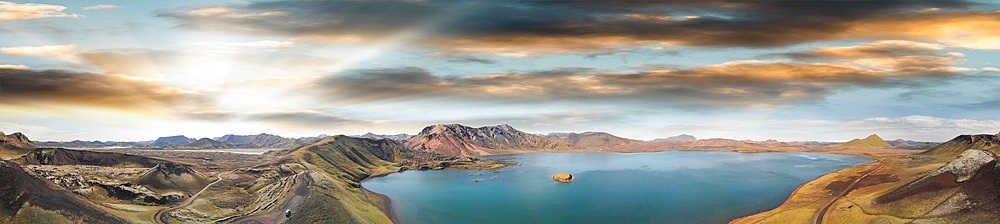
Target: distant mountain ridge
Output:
[
  {"x": 460, "y": 140},
  {"x": 176, "y": 139},
  {"x": 678, "y": 138},
  {"x": 397, "y": 137}
]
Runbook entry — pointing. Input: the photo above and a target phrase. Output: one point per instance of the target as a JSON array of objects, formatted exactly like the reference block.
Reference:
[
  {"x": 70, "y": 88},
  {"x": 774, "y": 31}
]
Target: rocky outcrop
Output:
[
  {"x": 460, "y": 140},
  {"x": 563, "y": 177},
  {"x": 966, "y": 165},
  {"x": 16, "y": 140}
]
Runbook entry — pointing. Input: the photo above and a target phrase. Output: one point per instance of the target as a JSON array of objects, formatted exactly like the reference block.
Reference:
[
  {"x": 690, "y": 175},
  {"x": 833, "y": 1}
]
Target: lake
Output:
[{"x": 658, "y": 187}]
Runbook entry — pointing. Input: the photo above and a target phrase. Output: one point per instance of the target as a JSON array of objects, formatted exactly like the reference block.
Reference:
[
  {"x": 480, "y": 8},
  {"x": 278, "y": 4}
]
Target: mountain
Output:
[
  {"x": 14, "y": 145},
  {"x": 679, "y": 138},
  {"x": 178, "y": 139},
  {"x": 206, "y": 143},
  {"x": 172, "y": 176},
  {"x": 89, "y": 144},
  {"x": 460, "y": 140},
  {"x": 264, "y": 140},
  {"x": 872, "y": 141},
  {"x": 961, "y": 143},
  {"x": 592, "y": 139},
  {"x": 27, "y": 198},
  {"x": 397, "y": 137}
]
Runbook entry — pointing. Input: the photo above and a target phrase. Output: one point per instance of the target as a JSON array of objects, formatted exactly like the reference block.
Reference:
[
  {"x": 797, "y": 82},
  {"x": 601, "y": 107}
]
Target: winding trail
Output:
[
  {"x": 818, "y": 218},
  {"x": 161, "y": 219},
  {"x": 298, "y": 194}
]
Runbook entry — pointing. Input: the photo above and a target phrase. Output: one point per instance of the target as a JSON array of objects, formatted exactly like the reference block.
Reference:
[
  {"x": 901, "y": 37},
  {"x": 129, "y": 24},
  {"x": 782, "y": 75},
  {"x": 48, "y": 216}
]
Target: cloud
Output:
[
  {"x": 255, "y": 44},
  {"x": 466, "y": 58},
  {"x": 65, "y": 53},
  {"x": 55, "y": 88},
  {"x": 882, "y": 48},
  {"x": 737, "y": 84},
  {"x": 990, "y": 69},
  {"x": 14, "y": 67},
  {"x": 101, "y": 7},
  {"x": 526, "y": 28},
  {"x": 14, "y": 11},
  {"x": 894, "y": 56}
]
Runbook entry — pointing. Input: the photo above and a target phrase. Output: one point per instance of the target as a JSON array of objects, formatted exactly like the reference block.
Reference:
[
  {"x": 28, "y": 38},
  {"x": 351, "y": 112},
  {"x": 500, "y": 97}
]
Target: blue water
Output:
[{"x": 659, "y": 187}]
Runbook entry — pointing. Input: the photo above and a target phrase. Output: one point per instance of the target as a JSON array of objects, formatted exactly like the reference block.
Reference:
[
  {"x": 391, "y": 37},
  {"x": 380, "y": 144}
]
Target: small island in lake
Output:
[{"x": 563, "y": 177}]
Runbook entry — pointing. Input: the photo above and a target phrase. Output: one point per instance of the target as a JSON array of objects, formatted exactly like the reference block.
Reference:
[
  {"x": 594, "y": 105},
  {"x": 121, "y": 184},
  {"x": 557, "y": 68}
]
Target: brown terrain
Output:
[{"x": 320, "y": 181}]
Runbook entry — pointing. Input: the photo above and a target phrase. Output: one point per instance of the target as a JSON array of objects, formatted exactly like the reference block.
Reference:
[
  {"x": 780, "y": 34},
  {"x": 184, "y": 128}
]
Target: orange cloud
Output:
[
  {"x": 14, "y": 11},
  {"x": 64, "y": 53},
  {"x": 55, "y": 88}
]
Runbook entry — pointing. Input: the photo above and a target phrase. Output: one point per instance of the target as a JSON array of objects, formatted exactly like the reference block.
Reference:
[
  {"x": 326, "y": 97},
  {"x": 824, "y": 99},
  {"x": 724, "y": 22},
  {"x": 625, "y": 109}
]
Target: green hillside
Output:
[{"x": 872, "y": 141}]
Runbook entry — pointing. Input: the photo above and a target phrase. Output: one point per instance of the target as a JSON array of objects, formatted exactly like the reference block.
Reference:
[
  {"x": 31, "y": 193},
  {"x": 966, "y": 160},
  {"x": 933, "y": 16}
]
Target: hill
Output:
[
  {"x": 592, "y": 139},
  {"x": 872, "y": 141},
  {"x": 14, "y": 145},
  {"x": 460, "y": 140},
  {"x": 172, "y": 177},
  {"x": 337, "y": 165},
  {"x": 961, "y": 143}
]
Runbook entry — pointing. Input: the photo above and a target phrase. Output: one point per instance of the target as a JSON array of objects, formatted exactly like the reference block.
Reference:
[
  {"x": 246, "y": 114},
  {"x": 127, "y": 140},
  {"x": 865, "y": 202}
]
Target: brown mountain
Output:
[
  {"x": 14, "y": 145},
  {"x": 592, "y": 139},
  {"x": 460, "y": 140},
  {"x": 961, "y": 143}
]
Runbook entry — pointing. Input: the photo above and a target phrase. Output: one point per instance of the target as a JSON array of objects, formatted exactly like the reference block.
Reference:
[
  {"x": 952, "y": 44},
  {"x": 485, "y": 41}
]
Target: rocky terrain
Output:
[{"x": 26, "y": 198}]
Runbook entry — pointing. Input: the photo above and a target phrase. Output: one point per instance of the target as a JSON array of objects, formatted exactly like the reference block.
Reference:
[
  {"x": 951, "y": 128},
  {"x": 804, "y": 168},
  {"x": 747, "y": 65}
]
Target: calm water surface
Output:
[{"x": 659, "y": 187}]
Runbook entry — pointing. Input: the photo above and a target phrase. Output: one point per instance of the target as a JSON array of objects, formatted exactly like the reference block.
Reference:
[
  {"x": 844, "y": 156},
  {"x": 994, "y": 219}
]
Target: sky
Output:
[{"x": 784, "y": 70}]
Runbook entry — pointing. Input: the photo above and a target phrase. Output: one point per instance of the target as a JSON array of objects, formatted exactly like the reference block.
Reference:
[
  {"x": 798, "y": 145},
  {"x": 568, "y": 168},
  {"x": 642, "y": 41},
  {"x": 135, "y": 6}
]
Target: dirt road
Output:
[
  {"x": 160, "y": 217},
  {"x": 818, "y": 218},
  {"x": 299, "y": 191}
]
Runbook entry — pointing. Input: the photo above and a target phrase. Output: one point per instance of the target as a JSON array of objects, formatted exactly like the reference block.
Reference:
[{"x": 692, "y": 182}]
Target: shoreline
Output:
[
  {"x": 790, "y": 196},
  {"x": 385, "y": 204}
]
